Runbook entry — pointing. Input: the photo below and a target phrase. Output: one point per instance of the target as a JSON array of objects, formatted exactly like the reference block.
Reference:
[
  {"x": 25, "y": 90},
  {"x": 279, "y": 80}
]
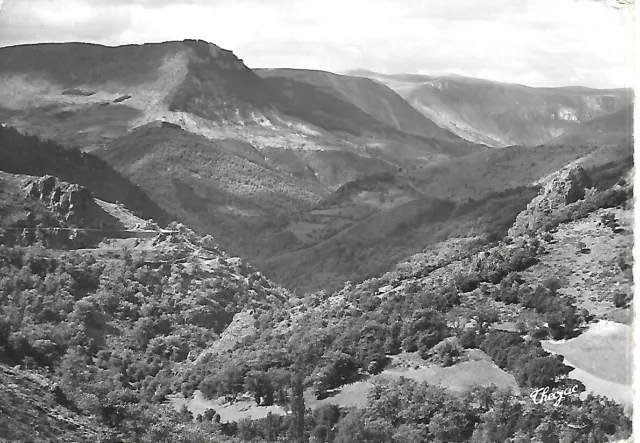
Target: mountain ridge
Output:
[
  {"x": 503, "y": 114},
  {"x": 362, "y": 94}
]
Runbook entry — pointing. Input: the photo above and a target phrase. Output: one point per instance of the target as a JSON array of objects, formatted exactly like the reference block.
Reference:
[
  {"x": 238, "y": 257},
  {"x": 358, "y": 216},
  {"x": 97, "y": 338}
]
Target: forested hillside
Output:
[{"x": 118, "y": 333}]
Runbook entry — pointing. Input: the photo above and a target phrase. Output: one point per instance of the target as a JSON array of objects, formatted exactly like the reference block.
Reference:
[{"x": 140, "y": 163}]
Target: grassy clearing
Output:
[
  {"x": 478, "y": 370},
  {"x": 229, "y": 412},
  {"x": 603, "y": 358},
  {"x": 604, "y": 350}
]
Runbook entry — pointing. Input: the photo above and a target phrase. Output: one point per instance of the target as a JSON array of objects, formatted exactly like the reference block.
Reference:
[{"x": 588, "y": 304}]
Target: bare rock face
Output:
[
  {"x": 567, "y": 187},
  {"x": 72, "y": 204}
]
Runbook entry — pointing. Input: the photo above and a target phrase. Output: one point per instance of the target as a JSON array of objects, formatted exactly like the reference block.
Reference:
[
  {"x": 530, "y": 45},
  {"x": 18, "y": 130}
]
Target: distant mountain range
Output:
[
  {"x": 304, "y": 173},
  {"x": 503, "y": 114}
]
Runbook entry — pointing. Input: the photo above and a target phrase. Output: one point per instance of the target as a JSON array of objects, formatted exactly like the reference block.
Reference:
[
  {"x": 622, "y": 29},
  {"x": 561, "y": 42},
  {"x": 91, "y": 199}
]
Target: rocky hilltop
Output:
[
  {"x": 567, "y": 186},
  {"x": 131, "y": 85},
  {"x": 72, "y": 204}
]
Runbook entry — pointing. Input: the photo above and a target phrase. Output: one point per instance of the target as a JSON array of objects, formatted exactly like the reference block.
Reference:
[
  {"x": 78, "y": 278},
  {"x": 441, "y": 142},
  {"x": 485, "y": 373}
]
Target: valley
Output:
[{"x": 194, "y": 250}]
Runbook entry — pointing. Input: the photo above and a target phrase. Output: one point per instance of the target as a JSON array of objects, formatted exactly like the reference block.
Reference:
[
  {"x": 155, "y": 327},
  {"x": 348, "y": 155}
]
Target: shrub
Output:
[
  {"x": 467, "y": 283},
  {"x": 428, "y": 341},
  {"x": 448, "y": 351},
  {"x": 620, "y": 300},
  {"x": 468, "y": 339}
]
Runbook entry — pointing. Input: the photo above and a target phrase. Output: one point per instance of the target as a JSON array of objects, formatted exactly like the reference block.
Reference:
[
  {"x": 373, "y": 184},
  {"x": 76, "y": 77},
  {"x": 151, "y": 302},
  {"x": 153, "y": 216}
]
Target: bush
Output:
[
  {"x": 428, "y": 341},
  {"x": 448, "y": 351},
  {"x": 620, "y": 300},
  {"x": 467, "y": 283},
  {"x": 468, "y": 339}
]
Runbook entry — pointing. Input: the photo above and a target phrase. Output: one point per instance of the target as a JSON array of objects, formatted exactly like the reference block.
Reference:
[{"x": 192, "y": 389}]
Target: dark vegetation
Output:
[
  {"x": 225, "y": 188},
  {"x": 371, "y": 246},
  {"x": 406, "y": 411},
  {"x": 560, "y": 312},
  {"x": 110, "y": 328},
  {"x": 477, "y": 195},
  {"x": 115, "y": 331},
  {"x": 335, "y": 343},
  {"x": 122, "y": 98},
  {"x": 28, "y": 155},
  {"x": 76, "y": 91},
  {"x": 338, "y": 344}
]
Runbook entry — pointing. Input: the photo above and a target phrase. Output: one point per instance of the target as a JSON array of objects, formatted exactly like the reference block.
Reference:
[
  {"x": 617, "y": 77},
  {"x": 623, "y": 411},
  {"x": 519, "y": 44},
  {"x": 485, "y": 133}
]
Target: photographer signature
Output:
[{"x": 542, "y": 395}]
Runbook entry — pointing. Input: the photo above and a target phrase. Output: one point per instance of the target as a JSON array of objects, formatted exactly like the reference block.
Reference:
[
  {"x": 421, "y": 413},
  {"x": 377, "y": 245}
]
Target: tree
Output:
[
  {"x": 467, "y": 283},
  {"x": 620, "y": 300},
  {"x": 541, "y": 372},
  {"x": 296, "y": 430},
  {"x": 427, "y": 341},
  {"x": 448, "y": 351},
  {"x": 259, "y": 384},
  {"x": 468, "y": 339},
  {"x": 185, "y": 414},
  {"x": 426, "y": 328},
  {"x": 485, "y": 318},
  {"x": 351, "y": 428},
  {"x": 450, "y": 425},
  {"x": 232, "y": 379}
]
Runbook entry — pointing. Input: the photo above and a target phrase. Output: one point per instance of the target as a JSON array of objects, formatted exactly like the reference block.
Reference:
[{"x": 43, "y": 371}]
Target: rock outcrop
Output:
[
  {"x": 70, "y": 203},
  {"x": 567, "y": 187}
]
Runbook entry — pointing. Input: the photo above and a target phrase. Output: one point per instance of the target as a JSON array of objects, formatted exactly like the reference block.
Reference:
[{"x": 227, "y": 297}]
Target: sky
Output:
[{"x": 531, "y": 42}]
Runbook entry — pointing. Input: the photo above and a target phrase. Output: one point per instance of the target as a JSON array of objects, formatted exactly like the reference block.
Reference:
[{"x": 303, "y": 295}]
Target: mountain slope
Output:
[
  {"x": 371, "y": 97},
  {"x": 28, "y": 155},
  {"x": 127, "y": 318},
  {"x": 78, "y": 84},
  {"x": 40, "y": 417},
  {"x": 502, "y": 114},
  {"x": 437, "y": 319},
  {"x": 93, "y": 333},
  {"x": 87, "y": 95},
  {"x": 223, "y": 187},
  {"x": 611, "y": 129},
  {"x": 368, "y": 225},
  {"x": 98, "y": 342},
  {"x": 94, "y": 97}
]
